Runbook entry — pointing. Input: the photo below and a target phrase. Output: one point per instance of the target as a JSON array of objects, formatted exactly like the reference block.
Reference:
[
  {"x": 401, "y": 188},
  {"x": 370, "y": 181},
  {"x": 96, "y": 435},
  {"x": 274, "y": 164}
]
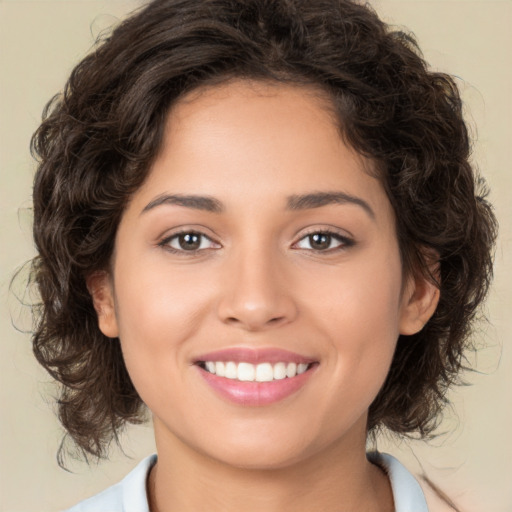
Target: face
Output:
[{"x": 257, "y": 287}]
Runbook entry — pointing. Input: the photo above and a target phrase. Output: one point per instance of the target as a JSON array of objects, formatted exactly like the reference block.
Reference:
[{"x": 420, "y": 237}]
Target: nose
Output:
[{"x": 257, "y": 292}]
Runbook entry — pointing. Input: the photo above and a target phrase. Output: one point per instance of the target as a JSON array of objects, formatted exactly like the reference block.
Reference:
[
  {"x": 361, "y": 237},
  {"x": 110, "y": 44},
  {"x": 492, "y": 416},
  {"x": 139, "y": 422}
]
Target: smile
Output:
[
  {"x": 248, "y": 372},
  {"x": 255, "y": 377}
]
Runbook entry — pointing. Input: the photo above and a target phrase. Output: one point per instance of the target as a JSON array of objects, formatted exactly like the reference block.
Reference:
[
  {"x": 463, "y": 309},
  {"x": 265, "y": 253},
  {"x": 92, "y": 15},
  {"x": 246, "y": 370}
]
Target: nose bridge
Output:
[{"x": 255, "y": 293}]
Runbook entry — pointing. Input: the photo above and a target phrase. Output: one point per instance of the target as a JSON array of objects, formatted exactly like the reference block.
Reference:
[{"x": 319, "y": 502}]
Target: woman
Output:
[{"x": 257, "y": 219}]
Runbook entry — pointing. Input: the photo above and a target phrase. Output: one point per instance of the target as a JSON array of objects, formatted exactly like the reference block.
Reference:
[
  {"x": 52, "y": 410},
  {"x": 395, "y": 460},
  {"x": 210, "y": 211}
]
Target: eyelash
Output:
[
  {"x": 344, "y": 242},
  {"x": 165, "y": 243}
]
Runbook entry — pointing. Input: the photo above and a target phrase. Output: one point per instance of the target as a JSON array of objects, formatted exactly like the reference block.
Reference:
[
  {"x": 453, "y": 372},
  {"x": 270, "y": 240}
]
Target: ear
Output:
[
  {"x": 419, "y": 302},
  {"x": 100, "y": 288}
]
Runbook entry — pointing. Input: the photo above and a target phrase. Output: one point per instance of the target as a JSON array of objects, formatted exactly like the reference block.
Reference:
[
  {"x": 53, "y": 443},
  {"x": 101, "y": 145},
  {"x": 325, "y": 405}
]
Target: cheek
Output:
[
  {"x": 360, "y": 300},
  {"x": 158, "y": 312},
  {"x": 360, "y": 318},
  {"x": 156, "y": 304}
]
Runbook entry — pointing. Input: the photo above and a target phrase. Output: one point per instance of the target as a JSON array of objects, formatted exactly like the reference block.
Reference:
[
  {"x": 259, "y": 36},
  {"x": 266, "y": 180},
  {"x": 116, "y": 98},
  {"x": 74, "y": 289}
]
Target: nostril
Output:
[
  {"x": 256, "y": 312},
  {"x": 255, "y": 323}
]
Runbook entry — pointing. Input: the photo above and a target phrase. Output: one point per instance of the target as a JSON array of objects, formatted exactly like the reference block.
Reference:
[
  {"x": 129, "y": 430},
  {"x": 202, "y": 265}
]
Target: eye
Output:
[
  {"x": 324, "y": 241},
  {"x": 188, "y": 241}
]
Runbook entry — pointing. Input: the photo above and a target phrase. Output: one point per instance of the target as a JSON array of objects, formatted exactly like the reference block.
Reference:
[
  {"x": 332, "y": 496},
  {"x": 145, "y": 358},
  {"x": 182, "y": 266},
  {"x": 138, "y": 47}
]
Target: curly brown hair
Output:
[{"x": 99, "y": 137}]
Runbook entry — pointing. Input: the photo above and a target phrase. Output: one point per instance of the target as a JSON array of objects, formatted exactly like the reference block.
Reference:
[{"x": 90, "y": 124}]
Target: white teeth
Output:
[
  {"x": 231, "y": 370},
  {"x": 264, "y": 372},
  {"x": 279, "y": 371},
  {"x": 247, "y": 372},
  {"x": 301, "y": 368},
  {"x": 220, "y": 369},
  {"x": 291, "y": 370}
]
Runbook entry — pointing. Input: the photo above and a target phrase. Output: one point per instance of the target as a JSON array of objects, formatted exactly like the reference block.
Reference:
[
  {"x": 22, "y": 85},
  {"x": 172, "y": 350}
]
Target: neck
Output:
[{"x": 337, "y": 479}]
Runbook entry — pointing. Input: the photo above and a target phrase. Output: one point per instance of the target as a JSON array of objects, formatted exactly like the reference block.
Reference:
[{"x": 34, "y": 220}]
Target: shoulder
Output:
[
  {"x": 129, "y": 495},
  {"x": 407, "y": 492},
  {"x": 410, "y": 492}
]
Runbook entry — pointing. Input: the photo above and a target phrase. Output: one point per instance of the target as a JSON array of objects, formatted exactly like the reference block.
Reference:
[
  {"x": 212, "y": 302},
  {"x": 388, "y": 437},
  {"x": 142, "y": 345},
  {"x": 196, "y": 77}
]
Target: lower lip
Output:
[{"x": 256, "y": 394}]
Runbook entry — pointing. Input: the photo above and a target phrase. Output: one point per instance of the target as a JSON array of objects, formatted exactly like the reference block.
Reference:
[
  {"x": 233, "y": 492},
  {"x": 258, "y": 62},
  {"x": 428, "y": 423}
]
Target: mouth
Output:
[
  {"x": 248, "y": 372},
  {"x": 251, "y": 377}
]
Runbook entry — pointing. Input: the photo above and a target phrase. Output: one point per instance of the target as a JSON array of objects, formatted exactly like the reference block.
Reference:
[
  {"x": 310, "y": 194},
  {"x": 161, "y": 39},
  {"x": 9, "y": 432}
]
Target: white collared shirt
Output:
[{"x": 129, "y": 495}]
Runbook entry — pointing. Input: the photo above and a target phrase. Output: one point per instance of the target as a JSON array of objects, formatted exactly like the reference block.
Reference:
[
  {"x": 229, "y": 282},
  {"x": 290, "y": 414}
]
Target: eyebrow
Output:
[
  {"x": 294, "y": 202},
  {"x": 205, "y": 203},
  {"x": 319, "y": 199}
]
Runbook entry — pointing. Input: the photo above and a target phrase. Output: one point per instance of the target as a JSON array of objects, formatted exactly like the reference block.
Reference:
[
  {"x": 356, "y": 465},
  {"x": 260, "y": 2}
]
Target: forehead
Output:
[{"x": 252, "y": 140}]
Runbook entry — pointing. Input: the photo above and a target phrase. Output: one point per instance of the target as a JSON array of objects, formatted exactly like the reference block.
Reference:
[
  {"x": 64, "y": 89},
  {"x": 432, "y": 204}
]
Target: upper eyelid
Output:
[
  {"x": 343, "y": 234},
  {"x": 164, "y": 240},
  {"x": 187, "y": 232},
  {"x": 200, "y": 230},
  {"x": 345, "y": 239}
]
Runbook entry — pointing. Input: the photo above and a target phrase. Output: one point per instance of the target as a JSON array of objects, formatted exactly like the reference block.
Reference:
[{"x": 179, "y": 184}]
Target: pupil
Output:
[
  {"x": 320, "y": 240},
  {"x": 189, "y": 241}
]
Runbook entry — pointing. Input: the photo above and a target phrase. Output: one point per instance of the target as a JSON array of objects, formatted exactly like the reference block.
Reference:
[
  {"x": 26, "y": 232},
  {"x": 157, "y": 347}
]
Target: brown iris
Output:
[
  {"x": 189, "y": 241},
  {"x": 320, "y": 241}
]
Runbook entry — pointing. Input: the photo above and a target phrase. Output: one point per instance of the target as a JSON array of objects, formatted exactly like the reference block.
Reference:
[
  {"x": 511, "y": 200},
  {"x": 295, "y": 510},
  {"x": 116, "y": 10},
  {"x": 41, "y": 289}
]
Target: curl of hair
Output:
[{"x": 99, "y": 137}]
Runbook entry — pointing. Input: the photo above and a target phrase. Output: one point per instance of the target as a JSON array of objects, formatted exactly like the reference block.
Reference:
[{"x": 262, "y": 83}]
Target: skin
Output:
[{"x": 257, "y": 281}]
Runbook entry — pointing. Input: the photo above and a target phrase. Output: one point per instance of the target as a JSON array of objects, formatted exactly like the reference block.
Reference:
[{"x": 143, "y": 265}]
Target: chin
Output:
[
  {"x": 262, "y": 458},
  {"x": 270, "y": 448}
]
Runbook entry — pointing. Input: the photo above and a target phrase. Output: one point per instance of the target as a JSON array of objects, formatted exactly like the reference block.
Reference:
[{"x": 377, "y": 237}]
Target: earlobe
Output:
[
  {"x": 100, "y": 288},
  {"x": 419, "y": 303}
]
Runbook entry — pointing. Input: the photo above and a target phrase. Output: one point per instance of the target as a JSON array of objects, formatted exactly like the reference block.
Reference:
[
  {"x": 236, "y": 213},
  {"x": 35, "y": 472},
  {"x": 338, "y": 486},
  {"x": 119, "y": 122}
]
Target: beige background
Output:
[{"x": 40, "y": 40}]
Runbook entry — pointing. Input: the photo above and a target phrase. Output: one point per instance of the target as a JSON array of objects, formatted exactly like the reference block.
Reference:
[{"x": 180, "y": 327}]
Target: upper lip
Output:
[{"x": 254, "y": 356}]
